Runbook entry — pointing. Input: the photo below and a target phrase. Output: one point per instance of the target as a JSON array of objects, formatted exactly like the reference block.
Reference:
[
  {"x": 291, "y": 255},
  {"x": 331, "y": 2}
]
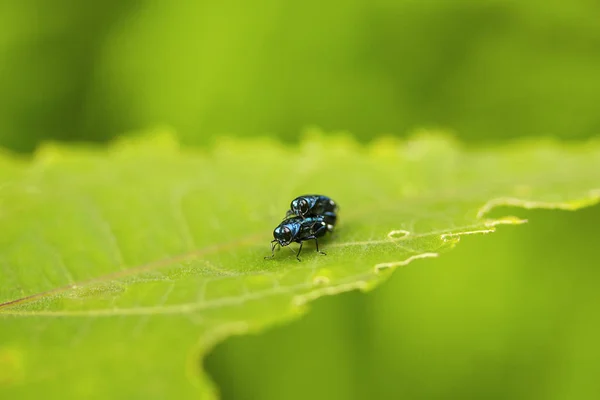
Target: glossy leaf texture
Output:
[{"x": 121, "y": 266}]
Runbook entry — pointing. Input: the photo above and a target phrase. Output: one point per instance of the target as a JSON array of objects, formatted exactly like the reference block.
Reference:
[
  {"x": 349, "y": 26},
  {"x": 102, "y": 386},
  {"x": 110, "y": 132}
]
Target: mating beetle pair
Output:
[{"x": 309, "y": 217}]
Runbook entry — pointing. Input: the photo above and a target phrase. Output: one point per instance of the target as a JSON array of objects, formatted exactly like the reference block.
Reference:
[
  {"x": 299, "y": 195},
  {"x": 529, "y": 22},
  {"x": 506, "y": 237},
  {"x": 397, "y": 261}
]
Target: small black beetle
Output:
[
  {"x": 311, "y": 205},
  {"x": 298, "y": 229}
]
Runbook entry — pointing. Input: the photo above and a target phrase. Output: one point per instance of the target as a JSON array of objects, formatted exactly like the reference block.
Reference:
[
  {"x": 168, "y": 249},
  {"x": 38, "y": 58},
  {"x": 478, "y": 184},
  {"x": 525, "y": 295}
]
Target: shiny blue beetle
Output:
[
  {"x": 309, "y": 218},
  {"x": 298, "y": 229}
]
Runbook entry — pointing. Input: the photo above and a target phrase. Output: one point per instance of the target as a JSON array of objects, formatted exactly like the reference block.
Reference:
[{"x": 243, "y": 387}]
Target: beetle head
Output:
[
  {"x": 300, "y": 206},
  {"x": 283, "y": 234}
]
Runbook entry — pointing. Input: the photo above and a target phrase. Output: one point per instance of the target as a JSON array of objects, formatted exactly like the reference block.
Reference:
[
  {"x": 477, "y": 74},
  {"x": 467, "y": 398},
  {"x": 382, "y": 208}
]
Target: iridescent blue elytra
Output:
[
  {"x": 298, "y": 229},
  {"x": 311, "y": 205}
]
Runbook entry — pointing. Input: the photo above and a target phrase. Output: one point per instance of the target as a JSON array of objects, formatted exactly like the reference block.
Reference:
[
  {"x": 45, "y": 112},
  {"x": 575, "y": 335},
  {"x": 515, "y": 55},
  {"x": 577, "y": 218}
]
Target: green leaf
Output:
[{"x": 121, "y": 267}]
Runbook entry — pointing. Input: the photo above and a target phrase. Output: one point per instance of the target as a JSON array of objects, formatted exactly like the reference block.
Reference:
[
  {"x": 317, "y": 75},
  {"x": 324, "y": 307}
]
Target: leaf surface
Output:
[{"x": 121, "y": 266}]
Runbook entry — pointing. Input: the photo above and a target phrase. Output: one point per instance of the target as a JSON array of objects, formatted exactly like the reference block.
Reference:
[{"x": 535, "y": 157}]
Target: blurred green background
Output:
[
  {"x": 507, "y": 316},
  {"x": 488, "y": 70}
]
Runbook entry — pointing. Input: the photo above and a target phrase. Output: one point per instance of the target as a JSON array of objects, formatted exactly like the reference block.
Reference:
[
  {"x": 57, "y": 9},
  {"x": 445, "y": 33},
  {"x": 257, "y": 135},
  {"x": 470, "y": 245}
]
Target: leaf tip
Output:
[{"x": 591, "y": 198}]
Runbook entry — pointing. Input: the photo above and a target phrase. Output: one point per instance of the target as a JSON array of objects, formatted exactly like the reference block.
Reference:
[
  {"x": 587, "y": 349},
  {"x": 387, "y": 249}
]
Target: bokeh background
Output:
[
  {"x": 506, "y": 316},
  {"x": 488, "y": 70}
]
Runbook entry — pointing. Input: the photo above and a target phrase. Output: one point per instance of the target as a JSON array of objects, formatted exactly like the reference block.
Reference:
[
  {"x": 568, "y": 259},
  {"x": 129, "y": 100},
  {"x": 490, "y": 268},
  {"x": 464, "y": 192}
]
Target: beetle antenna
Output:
[{"x": 299, "y": 250}]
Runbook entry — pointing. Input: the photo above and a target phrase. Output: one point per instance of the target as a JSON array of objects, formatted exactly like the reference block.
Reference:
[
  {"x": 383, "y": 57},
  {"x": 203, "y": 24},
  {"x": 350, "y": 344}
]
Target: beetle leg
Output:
[
  {"x": 289, "y": 214},
  {"x": 316, "y": 245},
  {"x": 299, "y": 250}
]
